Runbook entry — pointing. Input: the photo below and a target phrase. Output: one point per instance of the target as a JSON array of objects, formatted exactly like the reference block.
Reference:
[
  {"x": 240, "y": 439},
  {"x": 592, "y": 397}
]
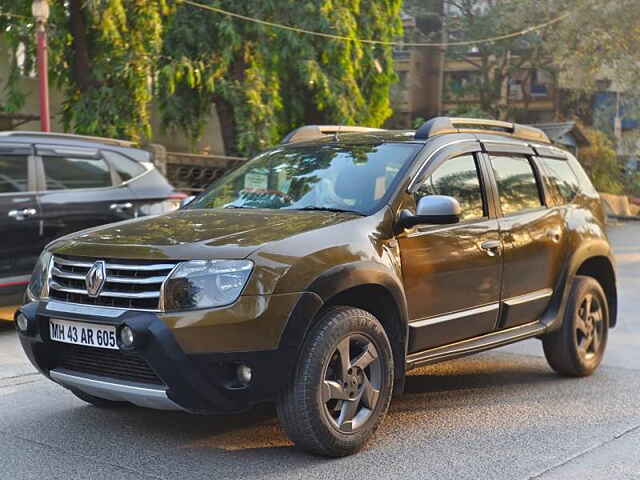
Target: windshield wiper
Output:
[
  {"x": 238, "y": 206},
  {"x": 329, "y": 209}
]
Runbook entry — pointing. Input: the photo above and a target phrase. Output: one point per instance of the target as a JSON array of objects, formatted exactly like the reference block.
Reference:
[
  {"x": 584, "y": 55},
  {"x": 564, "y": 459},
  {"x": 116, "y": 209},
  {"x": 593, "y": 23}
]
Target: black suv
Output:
[
  {"x": 321, "y": 271},
  {"x": 54, "y": 184}
]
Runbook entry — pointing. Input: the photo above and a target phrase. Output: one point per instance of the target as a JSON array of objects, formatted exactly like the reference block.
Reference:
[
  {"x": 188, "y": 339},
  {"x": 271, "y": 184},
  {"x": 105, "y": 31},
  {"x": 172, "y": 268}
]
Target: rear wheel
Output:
[
  {"x": 577, "y": 348},
  {"x": 342, "y": 386},
  {"x": 97, "y": 401}
]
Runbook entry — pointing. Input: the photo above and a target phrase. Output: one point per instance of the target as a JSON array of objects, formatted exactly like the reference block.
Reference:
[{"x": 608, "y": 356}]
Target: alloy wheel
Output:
[
  {"x": 351, "y": 383},
  {"x": 589, "y": 327}
]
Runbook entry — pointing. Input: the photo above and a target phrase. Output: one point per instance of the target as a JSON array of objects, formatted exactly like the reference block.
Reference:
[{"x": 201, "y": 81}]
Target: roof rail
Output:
[
  {"x": 312, "y": 132},
  {"x": 69, "y": 136},
  {"x": 442, "y": 125}
]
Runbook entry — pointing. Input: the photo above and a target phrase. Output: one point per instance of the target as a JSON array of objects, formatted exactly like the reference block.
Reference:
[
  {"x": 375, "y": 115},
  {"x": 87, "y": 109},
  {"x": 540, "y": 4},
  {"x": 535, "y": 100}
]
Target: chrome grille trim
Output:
[
  {"x": 72, "y": 263},
  {"x": 146, "y": 268},
  {"x": 136, "y": 281},
  {"x": 105, "y": 293},
  {"x": 73, "y": 276},
  {"x": 115, "y": 266},
  {"x": 134, "y": 285}
]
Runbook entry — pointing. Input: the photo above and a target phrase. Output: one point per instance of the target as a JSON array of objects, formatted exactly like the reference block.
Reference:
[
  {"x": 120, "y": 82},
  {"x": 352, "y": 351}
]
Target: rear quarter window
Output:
[
  {"x": 124, "y": 167},
  {"x": 561, "y": 178}
]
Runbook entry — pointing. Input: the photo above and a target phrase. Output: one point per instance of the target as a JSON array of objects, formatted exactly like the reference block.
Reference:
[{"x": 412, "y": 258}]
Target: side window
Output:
[
  {"x": 14, "y": 173},
  {"x": 125, "y": 167},
  {"x": 68, "y": 173},
  {"x": 517, "y": 185},
  {"x": 561, "y": 177},
  {"x": 457, "y": 178}
]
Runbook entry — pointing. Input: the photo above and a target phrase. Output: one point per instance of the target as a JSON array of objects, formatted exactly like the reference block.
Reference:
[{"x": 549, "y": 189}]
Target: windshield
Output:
[{"x": 353, "y": 178}]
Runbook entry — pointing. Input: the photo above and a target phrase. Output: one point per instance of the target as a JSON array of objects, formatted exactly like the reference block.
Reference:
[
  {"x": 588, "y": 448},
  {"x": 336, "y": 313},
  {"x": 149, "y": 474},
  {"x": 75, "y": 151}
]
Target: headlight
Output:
[
  {"x": 205, "y": 284},
  {"x": 39, "y": 284}
]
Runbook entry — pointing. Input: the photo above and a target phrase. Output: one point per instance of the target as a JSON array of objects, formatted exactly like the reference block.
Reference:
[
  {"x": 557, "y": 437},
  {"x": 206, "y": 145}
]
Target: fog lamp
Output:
[
  {"x": 22, "y": 322},
  {"x": 126, "y": 336},
  {"x": 244, "y": 374}
]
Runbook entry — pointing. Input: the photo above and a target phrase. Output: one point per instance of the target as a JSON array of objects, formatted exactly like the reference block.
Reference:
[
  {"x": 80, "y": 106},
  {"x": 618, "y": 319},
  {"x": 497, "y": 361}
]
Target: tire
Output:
[
  {"x": 97, "y": 401},
  {"x": 331, "y": 407},
  {"x": 577, "y": 348}
]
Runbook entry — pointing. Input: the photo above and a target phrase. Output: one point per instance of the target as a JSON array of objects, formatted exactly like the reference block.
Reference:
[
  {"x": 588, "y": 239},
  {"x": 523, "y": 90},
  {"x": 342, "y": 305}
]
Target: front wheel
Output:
[
  {"x": 577, "y": 348},
  {"x": 342, "y": 386}
]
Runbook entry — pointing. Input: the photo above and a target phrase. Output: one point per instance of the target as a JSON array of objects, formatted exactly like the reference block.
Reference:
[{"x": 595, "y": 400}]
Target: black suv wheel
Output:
[
  {"x": 577, "y": 348},
  {"x": 342, "y": 386}
]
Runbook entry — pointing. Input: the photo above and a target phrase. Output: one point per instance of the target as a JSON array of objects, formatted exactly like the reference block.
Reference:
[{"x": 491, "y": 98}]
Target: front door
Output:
[
  {"x": 20, "y": 239},
  {"x": 452, "y": 273}
]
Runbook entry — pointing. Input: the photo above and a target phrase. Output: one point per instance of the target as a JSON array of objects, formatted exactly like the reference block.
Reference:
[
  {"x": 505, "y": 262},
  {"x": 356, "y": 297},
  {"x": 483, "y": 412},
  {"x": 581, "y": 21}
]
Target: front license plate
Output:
[{"x": 79, "y": 333}]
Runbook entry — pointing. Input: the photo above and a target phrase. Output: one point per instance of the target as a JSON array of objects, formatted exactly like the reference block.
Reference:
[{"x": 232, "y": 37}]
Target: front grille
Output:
[
  {"x": 131, "y": 284},
  {"x": 114, "y": 364}
]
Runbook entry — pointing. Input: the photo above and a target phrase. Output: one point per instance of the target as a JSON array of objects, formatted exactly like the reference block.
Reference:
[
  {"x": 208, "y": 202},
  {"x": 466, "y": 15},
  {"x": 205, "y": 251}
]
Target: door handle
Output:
[
  {"x": 22, "y": 214},
  {"x": 491, "y": 247},
  {"x": 119, "y": 207}
]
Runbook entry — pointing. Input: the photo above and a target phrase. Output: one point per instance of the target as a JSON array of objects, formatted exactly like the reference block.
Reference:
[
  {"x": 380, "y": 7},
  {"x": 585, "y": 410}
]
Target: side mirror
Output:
[{"x": 432, "y": 210}]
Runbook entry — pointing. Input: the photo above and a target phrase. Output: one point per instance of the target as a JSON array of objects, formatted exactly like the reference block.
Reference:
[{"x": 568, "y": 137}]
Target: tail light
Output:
[{"x": 169, "y": 204}]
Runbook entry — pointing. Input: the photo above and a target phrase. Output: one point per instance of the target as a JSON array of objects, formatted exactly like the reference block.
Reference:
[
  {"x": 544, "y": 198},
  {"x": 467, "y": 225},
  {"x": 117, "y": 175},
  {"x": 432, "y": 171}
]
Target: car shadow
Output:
[
  {"x": 191, "y": 441},
  {"x": 466, "y": 375}
]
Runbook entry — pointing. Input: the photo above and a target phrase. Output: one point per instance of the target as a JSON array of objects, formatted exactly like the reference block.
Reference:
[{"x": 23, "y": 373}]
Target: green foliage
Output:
[
  {"x": 265, "y": 82},
  {"x": 598, "y": 40},
  {"x": 495, "y": 62},
  {"x": 15, "y": 32},
  {"x": 103, "y": 66},
  {"x": 601, "y": 163},
  {"x": 470, "y": 111}
]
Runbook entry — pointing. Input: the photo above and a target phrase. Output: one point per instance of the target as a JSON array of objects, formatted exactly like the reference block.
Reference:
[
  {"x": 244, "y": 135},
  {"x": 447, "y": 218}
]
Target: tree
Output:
[
  {"x": 601, "y": 163},
  {"x": 494, "y": 63},
  {"x": 102, "y": 54},
  {"x": 598, "y": 40},
  {"x": 265, "y": 81}
]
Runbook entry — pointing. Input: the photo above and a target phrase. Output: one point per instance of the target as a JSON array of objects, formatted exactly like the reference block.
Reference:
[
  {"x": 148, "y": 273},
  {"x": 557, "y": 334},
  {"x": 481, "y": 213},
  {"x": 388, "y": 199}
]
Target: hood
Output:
[{"x": 195, "y": 234}]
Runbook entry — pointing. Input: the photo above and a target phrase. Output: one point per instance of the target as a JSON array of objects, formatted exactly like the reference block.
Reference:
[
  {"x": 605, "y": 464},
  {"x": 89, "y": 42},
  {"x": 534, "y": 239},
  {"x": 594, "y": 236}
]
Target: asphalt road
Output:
[{"x": 497, "y": 415}]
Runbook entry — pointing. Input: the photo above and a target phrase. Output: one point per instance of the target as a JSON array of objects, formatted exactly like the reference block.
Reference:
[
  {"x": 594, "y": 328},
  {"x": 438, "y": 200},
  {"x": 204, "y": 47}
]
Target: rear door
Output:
[
  {"x": 20, "y": 239},
  {"x": 532, "y": 236},
  {"x": 79, "y": 190}
]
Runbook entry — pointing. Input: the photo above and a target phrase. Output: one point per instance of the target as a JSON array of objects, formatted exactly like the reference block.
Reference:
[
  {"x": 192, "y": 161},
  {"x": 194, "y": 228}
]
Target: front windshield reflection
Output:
[{"x": 352, "y": 178}]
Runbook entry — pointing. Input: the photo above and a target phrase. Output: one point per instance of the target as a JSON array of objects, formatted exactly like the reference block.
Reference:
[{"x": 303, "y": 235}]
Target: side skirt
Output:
[{"x": 474, "y": 345}]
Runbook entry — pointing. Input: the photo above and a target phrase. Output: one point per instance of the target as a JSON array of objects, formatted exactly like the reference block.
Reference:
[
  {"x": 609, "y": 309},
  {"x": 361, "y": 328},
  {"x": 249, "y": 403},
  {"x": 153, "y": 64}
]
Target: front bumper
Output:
[
  {"x": 195, "y": 382},
  {"x": 119, "y": 391}
]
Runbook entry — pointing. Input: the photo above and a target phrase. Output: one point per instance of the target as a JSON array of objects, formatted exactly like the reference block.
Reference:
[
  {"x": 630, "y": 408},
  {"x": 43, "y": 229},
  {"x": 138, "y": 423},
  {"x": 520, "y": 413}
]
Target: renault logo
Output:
[{"x": 95, "y": 279}]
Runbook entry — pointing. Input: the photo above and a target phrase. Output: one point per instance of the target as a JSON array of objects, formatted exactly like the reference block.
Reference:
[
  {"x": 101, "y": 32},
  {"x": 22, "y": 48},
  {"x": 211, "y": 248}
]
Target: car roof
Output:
[
  {"x": 70, "y": 140},
  {"x": 408, "y": 136}
]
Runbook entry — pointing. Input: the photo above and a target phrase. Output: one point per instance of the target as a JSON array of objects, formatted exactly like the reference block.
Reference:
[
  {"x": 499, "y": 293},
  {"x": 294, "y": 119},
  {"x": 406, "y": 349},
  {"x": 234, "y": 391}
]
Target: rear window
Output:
[
  {"x": 517, "y": 185},
  {"x": 561, "y": 177},
  {"x": 124, "y": 167},
  {"x": 68, "y": 173}
]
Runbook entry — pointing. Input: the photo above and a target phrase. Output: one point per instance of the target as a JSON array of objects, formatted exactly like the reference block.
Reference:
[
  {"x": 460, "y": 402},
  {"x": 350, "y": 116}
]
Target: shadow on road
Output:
[
  {"x": 450, "y": 377},
  {"x": 200, "y": 440}
]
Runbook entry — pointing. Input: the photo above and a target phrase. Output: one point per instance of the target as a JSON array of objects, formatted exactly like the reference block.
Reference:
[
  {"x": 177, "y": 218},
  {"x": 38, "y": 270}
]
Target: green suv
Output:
[{"x": 322, "y": 270}]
